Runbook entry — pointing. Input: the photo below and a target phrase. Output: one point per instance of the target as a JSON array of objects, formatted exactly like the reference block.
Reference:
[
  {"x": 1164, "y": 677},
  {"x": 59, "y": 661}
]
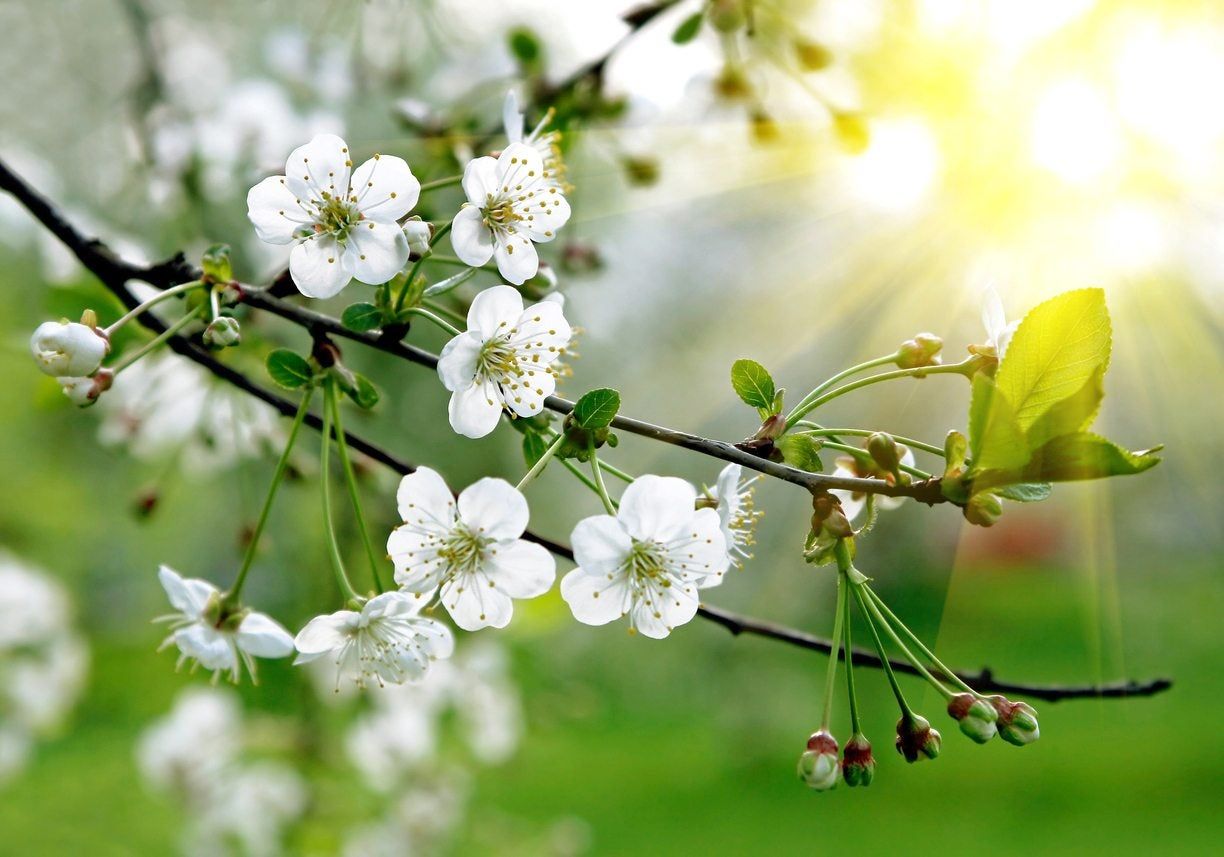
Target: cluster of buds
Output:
[
  {"x": 976, "y": 716},
  {"x": 222, "y": 332},
  {"x": 819, "y": 767},
  {"x": 72, "y": 353},
  {"x": 1016, "y": 721},
  {"x": 916, "y": 739},
  {"x": 922, "y": 350}
]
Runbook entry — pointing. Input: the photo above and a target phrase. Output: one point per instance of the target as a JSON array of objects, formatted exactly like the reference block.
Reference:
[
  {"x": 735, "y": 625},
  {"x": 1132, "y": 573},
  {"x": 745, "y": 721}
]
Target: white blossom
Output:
[
  {"x": 504, "y": 360},
  {"x": 84, "y": 392},
  {"x": 217, "y": 642},
  {"x": 854, "y": 502},
  {"x": 187, "y": 750},
  {"x": 387, "y": 641},
  {"x": 513, "y": 204},
  {"x": 253, "y": 806},
  {"x": 469, "y": 550},
  {"x": 732, "y": 495},
  {"x": 998, "y": 329},
  {"x": 68, "y": 349},
  {"x": 342, "y": 222},
  {"x": 649, "y": 561},
  {"x": 418, "y": 233},
  {"x": 546, "y": 143}
]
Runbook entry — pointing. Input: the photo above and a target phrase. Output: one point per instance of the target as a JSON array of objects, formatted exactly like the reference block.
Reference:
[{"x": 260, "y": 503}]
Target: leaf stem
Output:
[{"x": 350, "y": 478}]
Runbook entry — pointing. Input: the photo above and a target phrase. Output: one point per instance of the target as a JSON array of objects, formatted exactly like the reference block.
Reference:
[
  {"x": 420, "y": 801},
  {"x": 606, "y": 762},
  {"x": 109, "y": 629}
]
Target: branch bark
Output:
[{"x": 115, "y": 273}]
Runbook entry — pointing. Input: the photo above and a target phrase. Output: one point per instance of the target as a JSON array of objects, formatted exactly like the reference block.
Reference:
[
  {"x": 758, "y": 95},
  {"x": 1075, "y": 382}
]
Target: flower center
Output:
[
  {"x": 336, "y": 216},
  {"x": 499, "y": 212},
  {"x": 498, "y": 358},
  {"x": 646, "y": 565},
  {"x": 463, "y": 550}
]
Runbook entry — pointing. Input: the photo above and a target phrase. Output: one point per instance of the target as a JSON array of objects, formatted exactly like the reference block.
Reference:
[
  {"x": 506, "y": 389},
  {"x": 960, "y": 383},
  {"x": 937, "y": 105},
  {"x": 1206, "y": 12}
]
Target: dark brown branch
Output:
[{"x": 115, "y": 274}]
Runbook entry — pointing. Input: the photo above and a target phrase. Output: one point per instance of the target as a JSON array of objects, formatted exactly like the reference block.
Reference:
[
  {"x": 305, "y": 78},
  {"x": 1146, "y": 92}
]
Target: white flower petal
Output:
[
  {"x": 324, "y": 633},
  {"x": 316, "y": 267},
  {"x": 475, "y": 411},
  {"x": 593, "y": 598},
  {"x": 512, "y": 118},
  {"x": 600, "y": 544},
  {"x": 212, "y": 649},
  {"x": 385, "y": 188},
  {"x": 188, "y": 595},
  {"x": 523, "y": 569},
  {"x": 264, "y": 637},
  {"x": 473, "y": 604},
  {"x": 544, "y": 214},
  {"x": 275, "y": 211},
  {"x": 480, "y": 180},
  {"x": 700, "y": 552},
  {"x": 435, "y": 638},
  {"x": 518, "y": 165},
  {"x": 457, "y": 362},
  {"x": 424, "y": 499},
  {"x": 672, "y": 609},
  {"x": 516, "y": 257},
  {"x": 321, "y": 166},
  {"x": 493, "y": 508},
  {"x": 471, "y": 239},
  {"x": 495, "y": 311},
  {"x": 526, "y": 393},
  {"x": 657, "y": 507},
  {"x": 376, "y": 252}
]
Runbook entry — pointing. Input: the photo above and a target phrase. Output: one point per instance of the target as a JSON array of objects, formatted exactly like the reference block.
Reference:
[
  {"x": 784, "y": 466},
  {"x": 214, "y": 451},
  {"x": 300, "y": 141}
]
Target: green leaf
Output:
[
  {"x": 362, "y": 317},
  {"x": 995, "y": 440},
  {"x": 1026, "y": 492},
  {"x": 288, "y": 369},
  {"x": 216, "y": 264},
  {"x": 363, "y": 392},
  {"x": 688, "y": 29},
  {"x": 801, "y": 451},
  {"x": 1054, "y": 353},
  {"x": 1072, "y": 415},
  {"x": 525, "y": 46},
  {"x": 443, "y": 286},
  {"x": 596, "y": 409},
  {"x": 753, "y": 384},
  {"x": 534, "y": 447},
  {"x": 1086, "y": 456}
]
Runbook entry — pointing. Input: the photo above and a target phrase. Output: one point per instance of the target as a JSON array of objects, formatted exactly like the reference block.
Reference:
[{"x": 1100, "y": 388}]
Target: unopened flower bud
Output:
[
  {"x": 916, "y": 740},
  {"x": 222, "y": 332},
  {"x": 1017, "y": 721},
  {"x": 818, "y": 766},
  {"x": 838, "y": 525},
  {"x": 976, "y": 716},
  {"x": 922, "y": 350},
  {"x": 418, "y": 233},
  {"x": 83, "y": 392},
  {"x": 67, "y": 349},
  {"x": 858, "y": 764},
  {"x": 983, "y": 509},
  {"x": 884, "y": 450},
  {"x": 545, "y": 282}
]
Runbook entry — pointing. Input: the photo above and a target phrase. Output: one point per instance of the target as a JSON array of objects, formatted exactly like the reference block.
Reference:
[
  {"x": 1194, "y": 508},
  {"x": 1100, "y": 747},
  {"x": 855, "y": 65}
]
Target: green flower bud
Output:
[
  {"x": 884, "y": 450},
  {"x": 916, "y": 740},
  {"x": 1017, "y": 721},
  {"x": 983, "y": 509},
  {"x": 922, "y": 350},
  {"x": 976, "y": 716},
  {"x": 222, "y": 332},
  {"x": 858, "y": 764},
  {"x": 818, "y": 766}
]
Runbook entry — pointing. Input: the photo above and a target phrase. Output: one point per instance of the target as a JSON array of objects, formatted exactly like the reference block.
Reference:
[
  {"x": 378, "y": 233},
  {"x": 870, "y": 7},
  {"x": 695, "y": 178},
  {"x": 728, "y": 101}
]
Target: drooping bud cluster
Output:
[
  {"x": 976, "y": 716},
  {"x": 818, "y": 766},
  {"x": 916, "y": 739},
  {"x": 922, "y": 350},
  {"x": 1017, "y": 721},
  {"x": 858, "y": 764}
]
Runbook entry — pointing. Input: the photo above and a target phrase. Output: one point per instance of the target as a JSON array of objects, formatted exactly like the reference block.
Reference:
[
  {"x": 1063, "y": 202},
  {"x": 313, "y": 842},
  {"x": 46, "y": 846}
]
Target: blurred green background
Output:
[{"x": 634, "y": 746}]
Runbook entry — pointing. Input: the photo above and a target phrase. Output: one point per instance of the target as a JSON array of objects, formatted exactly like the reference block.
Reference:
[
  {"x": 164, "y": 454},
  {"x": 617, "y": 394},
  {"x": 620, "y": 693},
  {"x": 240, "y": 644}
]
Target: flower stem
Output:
[
  {"x": 866, "y": 456},
  {"x": 848, "y": 643},
  {"x": 906, "y": 711},
  {"x": 450, "y": 314},
  {"x": 156, "y": 299},
  {"x": 214, "y": 302},
  {"x": 918, "y": 644},
  {"x": 813, "y": 401},
  {"x": 277, "y": 476},
  {"x": 157, "y": 341},
  {"x": 437, "y": 183},
  {"x": 416, "y": 266},
  {"x": 909, "y": 656},
  {"x": 600, "y": 488},
  {"x": 820, "y": 431},
  {"x": 617, "y": 472},
  {"x": 538, "y": 467},
  {"x": 350, "y": 479},
  {"x": 831, "y": 673},
  {"x": 333, "y": 546},
  {"x": 436, "y": 319},
  {"x": 845, "y": 373}
]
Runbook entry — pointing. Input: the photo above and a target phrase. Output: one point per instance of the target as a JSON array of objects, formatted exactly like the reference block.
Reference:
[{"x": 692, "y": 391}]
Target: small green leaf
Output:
[
  {"x": 753, "y": 384},
  {"x": 1026, "y": 492},
  {"x": 534, "y": 447},
  {"x": 288, "y": 369},
  {"x": 363, "y": 392},
  {"x": 995, "y": 440},
  {"x": 801, "y": 451},
  {"x": 216, "y": 264},
  {"x": 596, "y": 409},
  {"x": 688, "y": 29},
  {"x": 1054, "y": 353},
  {"x": 525, "y": 46},
  {"x": 1086, "y": 456},
  {"x": 443, "y": 286},
  {"x": 362, "y": 317}
]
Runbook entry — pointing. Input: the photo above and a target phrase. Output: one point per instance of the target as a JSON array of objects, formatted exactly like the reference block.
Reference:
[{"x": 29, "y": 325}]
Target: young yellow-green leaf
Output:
[
  {"x": 443, "y": 286},
  {"x": 288, "y": 369},
  {"x": 688, "y": 29},
  {"x": 1026, "y": 492},
  {"x": 995, "y": 441},
  {"x": 596, "y": 409},
  {"x": 362, "y": 317},
  {"x": 1057, "y": 348},
  {"x": 753, "y": 384},
  {"x": 1072, "y": 415},
  {"x": 216, "y": 263},
  {"x": 363, "y": 392},
  {"x": 800, "y": 451},
  {"x": 1085, "y": 456}
]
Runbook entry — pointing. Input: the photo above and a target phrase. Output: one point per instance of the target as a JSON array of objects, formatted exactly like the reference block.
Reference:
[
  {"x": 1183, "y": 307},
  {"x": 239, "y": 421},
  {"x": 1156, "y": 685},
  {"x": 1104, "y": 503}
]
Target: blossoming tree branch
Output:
[{"x": 647, "y": 554}]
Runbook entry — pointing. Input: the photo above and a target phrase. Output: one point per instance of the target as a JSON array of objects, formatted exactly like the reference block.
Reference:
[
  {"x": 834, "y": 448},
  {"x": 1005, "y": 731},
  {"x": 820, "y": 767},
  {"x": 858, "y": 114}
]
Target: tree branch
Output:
[{"x": 115, "y": 274}]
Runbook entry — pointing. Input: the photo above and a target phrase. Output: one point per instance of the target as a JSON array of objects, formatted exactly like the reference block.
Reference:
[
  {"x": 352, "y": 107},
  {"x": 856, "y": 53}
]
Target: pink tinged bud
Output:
[
  {"x": 976, "y": 716},
  {"x": 1017, "y": 721},
  {"x": 916, "y": 740},
  {"x": 858, "y": 764},
  {"x": 83, "y": 392},
  {"x": 67, "y": 349},
  {"x": 818, "y": 766}
]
